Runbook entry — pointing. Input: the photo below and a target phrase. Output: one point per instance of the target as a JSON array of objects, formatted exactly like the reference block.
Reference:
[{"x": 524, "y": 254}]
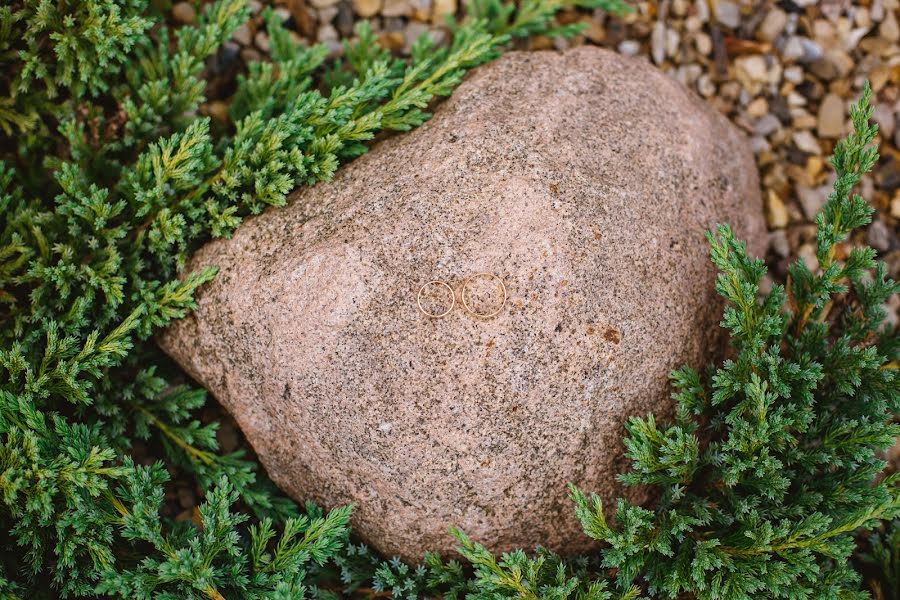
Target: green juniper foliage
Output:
[{"x": 109, "y": 179}]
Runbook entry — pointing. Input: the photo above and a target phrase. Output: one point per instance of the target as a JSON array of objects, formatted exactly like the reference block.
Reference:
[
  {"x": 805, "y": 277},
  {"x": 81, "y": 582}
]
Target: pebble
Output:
[
  {"x": 327, "y": 14},
  {"x": 773, "y": 24},
  {"x": 758, "y": 108},
  {"x": 760, "y": 145},
  {"x": 658, "y": 43},
  {"x": 776, "y": 211},
  {"x": 703, "y": 43},
  {"x": 440, "y": 9},
  {"x": 327, "y": 33},
  {"x": 779, "y": 244},
  {"x": 794, "y": 74},
  {"x": 304, "y": 21},
  {"x": 702, "y": 9},
  {"x": 801, "y": 49},
  {"x": 366, "y": 8},
  {"x": 895, "y": 207},
  {"x": 804, "y": 120},
  {"x": 323, "y": 3},
  {"x": 752, "y": 72},
  {"x": 879, "y": 236},
  {"x": 812, "y": 199},
  {"x": 396, "y": 8},
  {"x": 184, "y": 13},
  {"x": 883, "y": 114},
  {"x": 218, "y": 110},
  {"x": 877, "y": 11},
  {"x": 705, "y": 86},
  {"x": 796, "y": 100},
  {"x": 261, "y": 40},
  {"x": 412, "y": 33},
  {"x": 728, "y": 14},
  {"x": 807, "y": 142},
  {"x": 673, "y": 42},
  {"x": 392, "y": 40},
  {"x": 629, "y": 47},
  {"x": 852, "y": 39},
  {"x": 249, "y": 55},
  {"x": 421, "y": 10},
  {"x": 242, "y": 35},
  {"x": 862, "y": 17},
  {"x": 807, "y": 254},
  {"x": 889, "y": 29},
  {"x": 831, "y": 117},
  {"x": 767, "y": 125}
]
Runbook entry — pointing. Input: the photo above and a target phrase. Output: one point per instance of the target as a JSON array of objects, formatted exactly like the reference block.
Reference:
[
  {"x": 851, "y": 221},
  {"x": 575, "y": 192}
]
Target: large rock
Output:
[{"x": 583, "y": 180}]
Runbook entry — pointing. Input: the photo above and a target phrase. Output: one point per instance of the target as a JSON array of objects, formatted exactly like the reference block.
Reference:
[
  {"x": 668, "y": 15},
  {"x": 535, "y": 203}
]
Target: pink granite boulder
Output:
[{"x": 582, "y": 181}]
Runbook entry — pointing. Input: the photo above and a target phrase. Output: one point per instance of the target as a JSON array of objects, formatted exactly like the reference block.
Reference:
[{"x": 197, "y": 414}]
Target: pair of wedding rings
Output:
[{"x": 462, "y": 296}]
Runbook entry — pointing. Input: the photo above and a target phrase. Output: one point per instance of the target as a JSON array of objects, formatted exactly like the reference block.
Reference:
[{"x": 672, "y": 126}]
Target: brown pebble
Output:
[{"x": 184, "y": 13}]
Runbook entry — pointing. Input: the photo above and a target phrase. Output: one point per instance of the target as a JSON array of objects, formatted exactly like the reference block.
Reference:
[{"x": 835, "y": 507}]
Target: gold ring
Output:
[
  {"x": 469, "y": 308},
  {"x": 432, "y": 315}
]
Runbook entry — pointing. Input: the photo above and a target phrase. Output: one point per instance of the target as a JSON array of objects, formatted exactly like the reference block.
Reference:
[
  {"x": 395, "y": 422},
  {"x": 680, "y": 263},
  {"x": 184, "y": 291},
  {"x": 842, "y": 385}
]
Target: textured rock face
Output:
[{"x": 584, "y": 181}]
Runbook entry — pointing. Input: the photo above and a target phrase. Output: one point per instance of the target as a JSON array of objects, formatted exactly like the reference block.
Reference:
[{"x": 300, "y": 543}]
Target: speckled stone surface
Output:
[{"x": 583, "y": 180}]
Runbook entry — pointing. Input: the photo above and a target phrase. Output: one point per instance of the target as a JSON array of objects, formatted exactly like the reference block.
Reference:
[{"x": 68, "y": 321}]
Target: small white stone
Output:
[
  {"x": 802, "y": 49},
  {"x": 778, "y": 242},
  {"x": 877, "y": 11},
  {"x": 705, "y": 86},
  {"x": 794, "y": 74},
  {"x": 327, "y": 33},
  {"x": 807, "y": 254},
  {"x": 704, "y": 44},
  {"x": 889, "y": 29},
  {"x": 658, "y": 43},
  {"x": 883, "y": 114},
  {"x": 753, "y": 66},
  {"x": 812, "y": 199},
  {"x": 673, "y": 42},
  {"x": 767, "y": 125},
  {"x": 852, "y": 39},
  {"x": 830, "y": 123},
  {"x": 794, "y": 99},
  {"x": 728, "y": 14},
  {"x": 629, "y": 47},
  {"x": 702, "y": 8},
  {"x": 773, "y": 24},
  {"x": 807, "y": 142}
]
